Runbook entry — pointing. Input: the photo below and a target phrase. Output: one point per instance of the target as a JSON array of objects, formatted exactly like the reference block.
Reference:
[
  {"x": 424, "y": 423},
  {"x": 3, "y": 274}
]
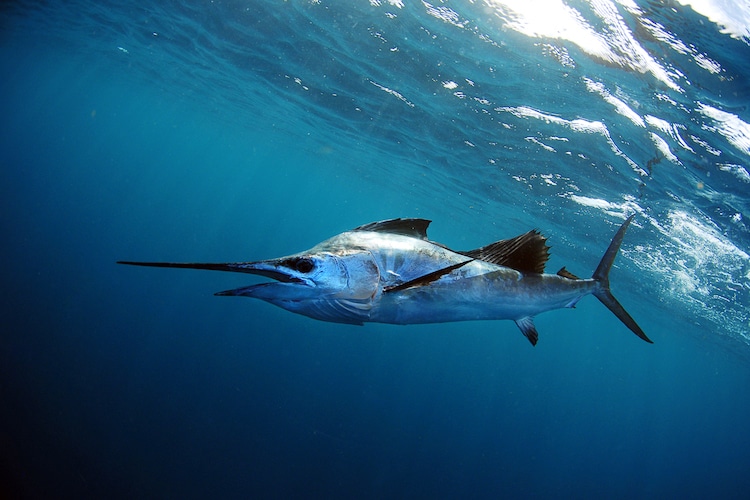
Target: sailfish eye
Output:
[{"x": 304, "y": 265}]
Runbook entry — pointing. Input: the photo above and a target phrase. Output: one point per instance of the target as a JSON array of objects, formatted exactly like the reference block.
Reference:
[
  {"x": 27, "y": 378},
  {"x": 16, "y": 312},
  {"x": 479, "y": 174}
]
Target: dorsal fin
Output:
[
  {"x": 527, "y": 253},
  {"x": 416, "y": 228},
  {"x": 567, "y": 274}
]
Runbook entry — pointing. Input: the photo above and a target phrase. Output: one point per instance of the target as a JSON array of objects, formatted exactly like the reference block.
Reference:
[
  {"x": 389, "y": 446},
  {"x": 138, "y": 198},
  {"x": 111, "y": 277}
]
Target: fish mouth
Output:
[
  {"x": 285, "y": 282},
  {"x": 267, "y": 291},
  {"x": 274, "y": 274}
]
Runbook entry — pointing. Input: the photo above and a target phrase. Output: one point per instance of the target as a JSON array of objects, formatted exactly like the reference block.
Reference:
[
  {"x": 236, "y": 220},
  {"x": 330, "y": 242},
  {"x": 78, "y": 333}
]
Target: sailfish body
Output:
[{"x": 390, "y": 272}]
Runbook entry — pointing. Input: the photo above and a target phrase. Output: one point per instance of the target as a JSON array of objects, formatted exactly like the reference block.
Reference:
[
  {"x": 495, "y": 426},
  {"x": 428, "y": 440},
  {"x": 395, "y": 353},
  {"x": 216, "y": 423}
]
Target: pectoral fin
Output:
[
  {"x": 528, "y": 329},
  {"x": 425, "y": 279}
]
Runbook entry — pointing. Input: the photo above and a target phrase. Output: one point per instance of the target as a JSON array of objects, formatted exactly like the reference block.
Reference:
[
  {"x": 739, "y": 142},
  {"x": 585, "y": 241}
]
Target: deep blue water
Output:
[{"x": 230, "y": 131}]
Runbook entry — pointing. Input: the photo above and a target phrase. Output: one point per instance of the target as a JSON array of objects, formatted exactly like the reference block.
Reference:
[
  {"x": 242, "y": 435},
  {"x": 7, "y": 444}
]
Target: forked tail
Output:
[{"x": 603, "y": 293}]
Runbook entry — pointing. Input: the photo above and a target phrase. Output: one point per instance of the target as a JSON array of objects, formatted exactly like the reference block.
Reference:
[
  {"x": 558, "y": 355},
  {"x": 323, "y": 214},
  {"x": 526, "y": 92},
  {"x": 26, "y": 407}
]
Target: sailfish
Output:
[{"x": 390, "y": 272}]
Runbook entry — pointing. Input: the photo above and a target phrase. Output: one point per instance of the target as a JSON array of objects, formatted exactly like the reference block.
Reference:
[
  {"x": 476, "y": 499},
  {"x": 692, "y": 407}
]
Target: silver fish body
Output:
[
  {"x": 389, "y": 272},
  {"x": 478, "y": 292}
]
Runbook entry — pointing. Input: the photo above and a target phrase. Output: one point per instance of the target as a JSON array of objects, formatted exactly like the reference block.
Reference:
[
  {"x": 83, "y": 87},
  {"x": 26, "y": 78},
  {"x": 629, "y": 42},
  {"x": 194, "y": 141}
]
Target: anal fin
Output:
[{"x": 528, "y": 329}]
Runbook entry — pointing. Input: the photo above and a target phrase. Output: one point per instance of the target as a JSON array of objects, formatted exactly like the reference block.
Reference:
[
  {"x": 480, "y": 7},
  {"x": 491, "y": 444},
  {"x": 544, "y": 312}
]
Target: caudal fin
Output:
[{"x": 602, "y": 276}]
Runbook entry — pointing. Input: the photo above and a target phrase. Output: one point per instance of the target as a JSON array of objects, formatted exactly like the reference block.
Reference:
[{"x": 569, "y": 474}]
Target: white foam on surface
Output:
[{"x": 693, "y": 263}]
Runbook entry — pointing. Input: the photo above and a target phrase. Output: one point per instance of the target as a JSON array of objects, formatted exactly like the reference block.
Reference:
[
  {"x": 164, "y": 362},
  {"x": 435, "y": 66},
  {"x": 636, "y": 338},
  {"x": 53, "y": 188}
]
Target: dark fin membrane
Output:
[
  {"x": 416, "y": 228},
  {"x": 528, "y": 329},
  {"x": 604, "y": 294},
  {"x": 527, "y": 253},
  {"x": 567, "y": 274},
  {"x": 609, "y": 300},
  {"x": 425, "y": 279}
]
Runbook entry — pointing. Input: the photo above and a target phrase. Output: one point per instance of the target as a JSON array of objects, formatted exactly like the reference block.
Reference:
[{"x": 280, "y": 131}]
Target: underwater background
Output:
[{"x": 213, "y": 131}]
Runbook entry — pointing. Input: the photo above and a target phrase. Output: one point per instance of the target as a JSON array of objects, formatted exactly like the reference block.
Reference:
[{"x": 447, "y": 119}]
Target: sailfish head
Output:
[{"x": 336, "y": 284}]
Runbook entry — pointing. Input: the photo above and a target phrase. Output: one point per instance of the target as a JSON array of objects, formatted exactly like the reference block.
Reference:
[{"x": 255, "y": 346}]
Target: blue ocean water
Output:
[{"x": 227, "y": 131}]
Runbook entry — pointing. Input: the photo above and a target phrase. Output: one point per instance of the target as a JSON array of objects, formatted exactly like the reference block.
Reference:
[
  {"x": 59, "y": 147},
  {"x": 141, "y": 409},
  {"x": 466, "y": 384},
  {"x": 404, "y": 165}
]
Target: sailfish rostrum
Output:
[{"x": 389, "y": 272}]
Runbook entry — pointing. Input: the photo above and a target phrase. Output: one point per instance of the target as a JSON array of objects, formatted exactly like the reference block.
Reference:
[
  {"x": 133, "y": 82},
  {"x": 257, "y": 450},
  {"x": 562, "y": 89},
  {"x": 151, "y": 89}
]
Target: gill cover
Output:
[{"x": 330, "y": 286}]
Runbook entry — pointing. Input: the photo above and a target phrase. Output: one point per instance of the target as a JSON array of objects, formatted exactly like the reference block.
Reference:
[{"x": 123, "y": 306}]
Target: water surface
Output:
[{"x": 241, "y": 130}]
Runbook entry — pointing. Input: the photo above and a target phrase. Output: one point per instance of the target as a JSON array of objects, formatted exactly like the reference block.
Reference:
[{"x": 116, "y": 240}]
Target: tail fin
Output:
[{"x": 602, "y": 276}]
